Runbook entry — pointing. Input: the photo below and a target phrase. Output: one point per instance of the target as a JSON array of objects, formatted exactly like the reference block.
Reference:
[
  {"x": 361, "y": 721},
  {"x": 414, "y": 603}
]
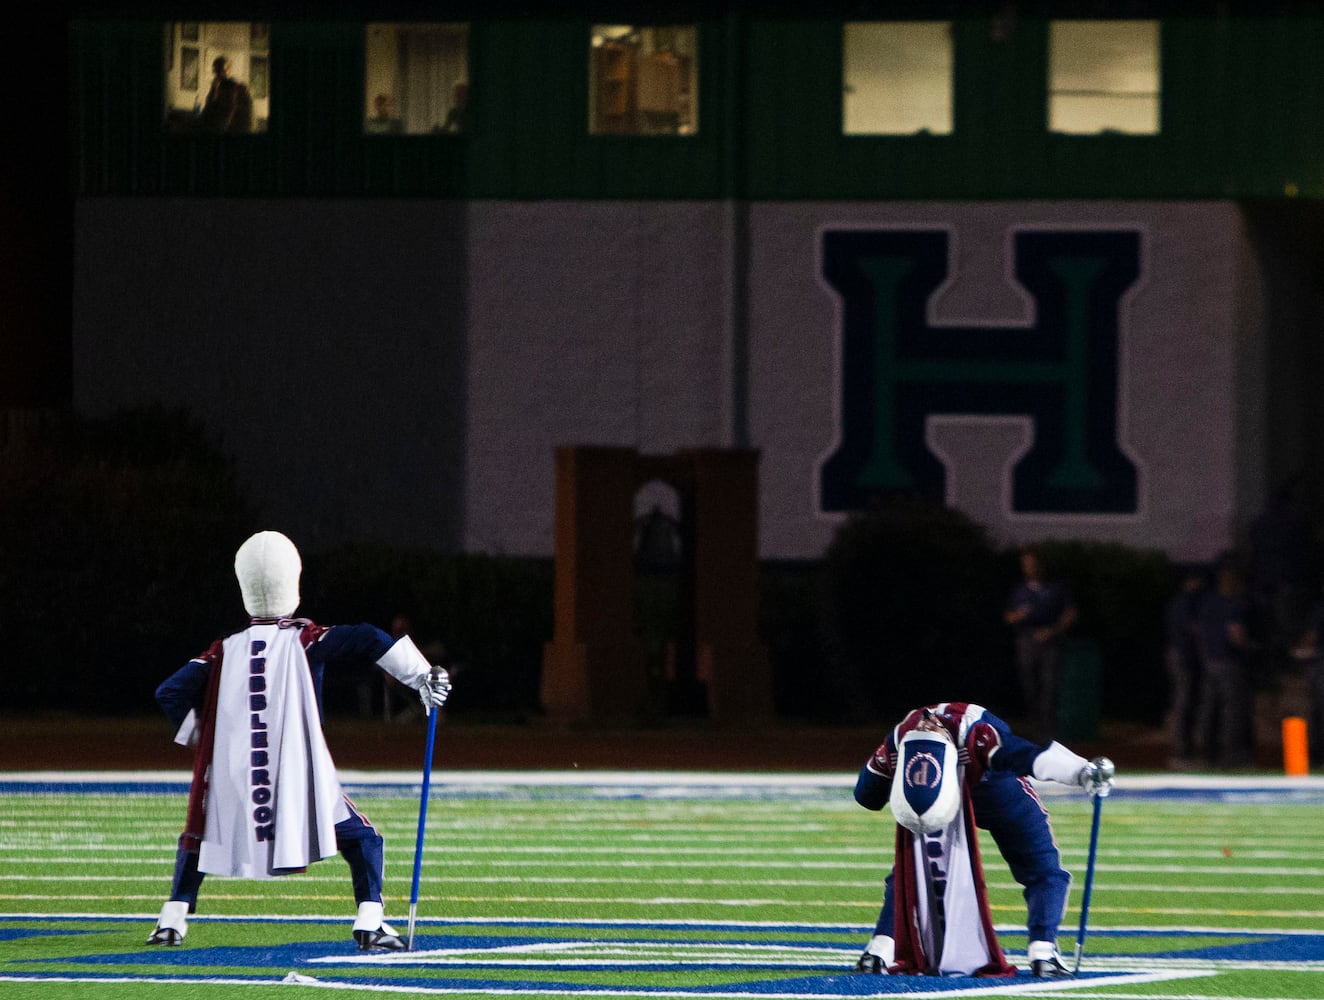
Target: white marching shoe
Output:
[
  {"x": 372, "y": 933},
  {"x": 1046, "y": 962},
  {"x": 878, "y": 955},
  {"x": 171, "y": 925}
]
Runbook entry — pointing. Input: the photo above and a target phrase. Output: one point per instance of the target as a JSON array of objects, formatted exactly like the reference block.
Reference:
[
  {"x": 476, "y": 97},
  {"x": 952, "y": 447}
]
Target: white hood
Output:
[{"x": 268, "y": 567}]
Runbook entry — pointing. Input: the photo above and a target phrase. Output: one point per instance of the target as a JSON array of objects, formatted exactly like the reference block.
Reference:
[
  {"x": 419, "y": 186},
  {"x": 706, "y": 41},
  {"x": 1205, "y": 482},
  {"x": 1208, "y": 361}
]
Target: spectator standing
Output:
[
  {"x": 1225, "y": 715},
  {"x": 1041, "y": 610},
  {"x": 1308, "y": 651},
  {"x": 1282, "y": 571},
  {"x": 1183, "y": 663}
]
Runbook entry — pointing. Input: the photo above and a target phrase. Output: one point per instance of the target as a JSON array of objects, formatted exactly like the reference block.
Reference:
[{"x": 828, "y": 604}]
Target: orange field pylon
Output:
[{"x": 1296, "y": 751}]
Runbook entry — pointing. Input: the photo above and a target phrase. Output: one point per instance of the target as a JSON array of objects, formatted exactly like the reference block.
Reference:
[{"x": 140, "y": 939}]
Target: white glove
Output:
[
  {"x": 406, "y": 664},
  {"x": 434, "y": 688},
  {"x": 1096, "y": 777}
]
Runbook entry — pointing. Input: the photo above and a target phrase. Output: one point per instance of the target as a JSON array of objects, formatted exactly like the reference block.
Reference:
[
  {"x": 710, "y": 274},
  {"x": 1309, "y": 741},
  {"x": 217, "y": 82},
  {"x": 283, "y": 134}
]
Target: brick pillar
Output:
[
  {"x": 731, "y": 659},
  {"x": 593, "y": 667}
]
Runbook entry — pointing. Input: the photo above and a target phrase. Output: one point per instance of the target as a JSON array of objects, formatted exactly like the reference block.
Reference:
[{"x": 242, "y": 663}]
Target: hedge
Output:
[{"x": 116, "y": 537}]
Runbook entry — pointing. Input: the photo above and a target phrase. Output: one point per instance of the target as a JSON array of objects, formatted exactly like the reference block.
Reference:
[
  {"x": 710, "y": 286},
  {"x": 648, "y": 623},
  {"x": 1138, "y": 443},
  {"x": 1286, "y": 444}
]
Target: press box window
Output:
[
  {"x": 217, "y": 76},
  {"x": 416, "y": 79},
  {"x": 643, "y": 80},
  {"x": 1103, "y": 77},
  {"x": 897, "y": 78}
]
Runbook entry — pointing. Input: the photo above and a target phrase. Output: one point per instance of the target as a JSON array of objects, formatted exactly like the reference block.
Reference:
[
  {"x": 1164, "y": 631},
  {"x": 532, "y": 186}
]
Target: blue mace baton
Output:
[
  {"x": 1089, "y": 881},
  {"x": 422, "y": 819}
]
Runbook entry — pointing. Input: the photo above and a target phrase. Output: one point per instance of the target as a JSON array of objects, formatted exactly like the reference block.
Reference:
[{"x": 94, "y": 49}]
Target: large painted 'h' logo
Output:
[{"x": 1061, "y": 371}]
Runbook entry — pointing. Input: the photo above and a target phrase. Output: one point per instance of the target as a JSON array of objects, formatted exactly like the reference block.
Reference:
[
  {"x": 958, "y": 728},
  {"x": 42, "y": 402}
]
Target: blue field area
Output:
[{"x": 790, "y": 962}]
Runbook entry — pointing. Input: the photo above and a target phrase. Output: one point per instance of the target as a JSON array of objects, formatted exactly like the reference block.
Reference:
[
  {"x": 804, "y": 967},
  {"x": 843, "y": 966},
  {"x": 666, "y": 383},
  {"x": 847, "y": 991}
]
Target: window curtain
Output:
[{"x": 431, "y": 63}]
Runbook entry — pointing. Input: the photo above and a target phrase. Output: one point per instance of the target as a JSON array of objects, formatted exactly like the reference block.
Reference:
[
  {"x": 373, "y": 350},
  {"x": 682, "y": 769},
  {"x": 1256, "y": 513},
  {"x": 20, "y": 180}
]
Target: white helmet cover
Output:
[
  {"x": 926, "y": 792},
  {"x": 268, "y": 567}
]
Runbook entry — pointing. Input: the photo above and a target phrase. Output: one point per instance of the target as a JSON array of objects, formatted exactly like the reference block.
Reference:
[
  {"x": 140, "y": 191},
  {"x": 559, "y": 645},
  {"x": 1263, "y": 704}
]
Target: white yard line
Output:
[
  {"x": 863, "y": 906},
  {"x": 671, "y": 923},
  {"x": 523, "y": 879},
  {"x": 579, "y": 778}
]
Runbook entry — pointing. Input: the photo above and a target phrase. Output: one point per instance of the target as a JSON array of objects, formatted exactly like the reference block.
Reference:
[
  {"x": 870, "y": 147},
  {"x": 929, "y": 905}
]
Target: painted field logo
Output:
[{"x": 897, "y": 369}]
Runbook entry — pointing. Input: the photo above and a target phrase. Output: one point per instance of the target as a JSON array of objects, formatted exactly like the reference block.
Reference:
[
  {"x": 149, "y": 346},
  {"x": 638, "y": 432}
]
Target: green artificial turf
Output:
[{"x": 688, "y": 891}]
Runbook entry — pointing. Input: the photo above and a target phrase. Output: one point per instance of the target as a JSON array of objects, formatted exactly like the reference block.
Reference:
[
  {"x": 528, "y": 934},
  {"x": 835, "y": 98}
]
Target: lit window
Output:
[
  {"x": 1103, "y": 77},
  {"x": 416, "y": 79},
  {"x": 897, "y": 78},
  {"x": 643, "y": 81},
  {"x": 217, "y": 77}
]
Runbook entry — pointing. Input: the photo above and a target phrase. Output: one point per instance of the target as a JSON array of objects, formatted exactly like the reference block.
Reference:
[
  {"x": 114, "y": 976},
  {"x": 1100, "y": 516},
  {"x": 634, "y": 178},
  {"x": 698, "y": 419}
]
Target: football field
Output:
[{"x": 669, "y": 885}]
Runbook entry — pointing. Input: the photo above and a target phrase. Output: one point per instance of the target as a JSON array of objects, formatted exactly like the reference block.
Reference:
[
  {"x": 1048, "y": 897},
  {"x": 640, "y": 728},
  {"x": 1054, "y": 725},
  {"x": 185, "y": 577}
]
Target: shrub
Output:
[
  {"x": 108, "y": 581},
  {"x": 911, "y": 612},
  {"x": 488, "y": 615},
  {"x": 906, "y": 609},
  {"x": 1121, "y": 593},
  {"x": 102, "y": 593}
]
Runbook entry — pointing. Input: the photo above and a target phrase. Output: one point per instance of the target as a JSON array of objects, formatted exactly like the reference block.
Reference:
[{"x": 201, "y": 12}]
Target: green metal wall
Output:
[{"x": 1242, "y": 106}]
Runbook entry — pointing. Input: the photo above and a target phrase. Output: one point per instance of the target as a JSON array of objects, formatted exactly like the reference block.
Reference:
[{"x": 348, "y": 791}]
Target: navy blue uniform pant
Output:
[
  {"x": 1013, "y": 815},
  {"x": 357, "y": 840}
]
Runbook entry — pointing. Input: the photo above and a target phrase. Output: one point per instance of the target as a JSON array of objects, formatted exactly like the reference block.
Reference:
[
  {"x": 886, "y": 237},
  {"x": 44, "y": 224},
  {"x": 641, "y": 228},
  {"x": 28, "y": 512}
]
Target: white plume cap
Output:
[{"x": 268, "y": 567}]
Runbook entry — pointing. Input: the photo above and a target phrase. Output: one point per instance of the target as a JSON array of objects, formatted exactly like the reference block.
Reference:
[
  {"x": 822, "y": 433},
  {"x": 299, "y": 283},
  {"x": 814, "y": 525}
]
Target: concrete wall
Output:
[
  {"x": 322, "y": 342},
  {"x": 402, "y": 371},
  {"x": 1189, "y": 368}
]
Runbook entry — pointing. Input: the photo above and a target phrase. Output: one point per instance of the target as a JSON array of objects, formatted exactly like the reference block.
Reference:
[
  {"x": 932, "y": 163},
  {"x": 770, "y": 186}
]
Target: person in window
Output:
[
  {"x": 229, "y": 106},
  {"x": 383, "y": 120},
  {"x": 457, "y": 118}
]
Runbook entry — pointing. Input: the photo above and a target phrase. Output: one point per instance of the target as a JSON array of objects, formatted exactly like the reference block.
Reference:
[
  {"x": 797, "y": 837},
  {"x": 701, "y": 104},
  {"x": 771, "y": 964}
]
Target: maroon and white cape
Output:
[
  {"x": 943, "y": 923},
  {"x": 265, "y": 797}
]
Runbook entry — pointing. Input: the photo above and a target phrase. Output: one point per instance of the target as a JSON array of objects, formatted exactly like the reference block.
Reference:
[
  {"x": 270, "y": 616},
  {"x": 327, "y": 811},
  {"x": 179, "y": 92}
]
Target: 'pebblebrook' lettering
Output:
[
  {"x": 933, "y": 848},
  {"x": 259, "y": 781}
]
